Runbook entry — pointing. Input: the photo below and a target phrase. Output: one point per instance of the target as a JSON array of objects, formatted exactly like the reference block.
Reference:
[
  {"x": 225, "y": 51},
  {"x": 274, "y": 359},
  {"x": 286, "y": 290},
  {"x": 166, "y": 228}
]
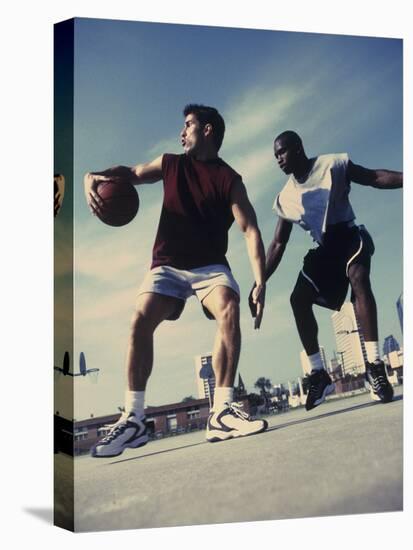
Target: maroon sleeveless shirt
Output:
[{"x": 196, "y": 212}]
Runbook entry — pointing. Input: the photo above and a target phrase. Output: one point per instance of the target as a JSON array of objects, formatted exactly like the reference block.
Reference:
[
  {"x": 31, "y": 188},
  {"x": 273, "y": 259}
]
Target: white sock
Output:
[
  {"x": 316, "y": 361},
  {"x": 222, "y": 396},
  {"x": 372, "y": 350},
  {"x": 134, "y": 402}
]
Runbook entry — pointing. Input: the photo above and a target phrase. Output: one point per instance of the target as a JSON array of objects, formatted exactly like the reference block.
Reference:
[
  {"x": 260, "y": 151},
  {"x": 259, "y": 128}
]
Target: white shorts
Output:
[{"x": 182, "y": 284}]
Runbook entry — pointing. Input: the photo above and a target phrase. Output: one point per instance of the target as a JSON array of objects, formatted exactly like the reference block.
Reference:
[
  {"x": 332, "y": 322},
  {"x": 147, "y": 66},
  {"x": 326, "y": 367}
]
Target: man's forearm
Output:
[
  {"x": 274, "y": 255},
  {"x": 256, "y": 253},
  {"x": 122, "y": 174}
]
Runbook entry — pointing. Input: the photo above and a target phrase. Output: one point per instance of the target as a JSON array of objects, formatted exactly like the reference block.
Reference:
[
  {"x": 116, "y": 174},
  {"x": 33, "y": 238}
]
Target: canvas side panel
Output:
[{"x": 63, "y": 275}]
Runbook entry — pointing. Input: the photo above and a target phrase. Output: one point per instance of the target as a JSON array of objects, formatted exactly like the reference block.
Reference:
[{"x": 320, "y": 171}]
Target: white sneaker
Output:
[
  {"x": 128, "y": 432},
  {"x": 232, "y": 421}
]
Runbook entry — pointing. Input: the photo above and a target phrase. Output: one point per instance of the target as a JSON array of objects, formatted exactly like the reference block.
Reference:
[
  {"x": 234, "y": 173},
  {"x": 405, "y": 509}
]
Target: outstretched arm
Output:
[
  {"x": 380, "y": 179},
  {"x": 135, "y": 175},
  {"x": 274, "y": 253},
  {"x": 277, "y": 246},
  {"x": 245, "y": 217}
]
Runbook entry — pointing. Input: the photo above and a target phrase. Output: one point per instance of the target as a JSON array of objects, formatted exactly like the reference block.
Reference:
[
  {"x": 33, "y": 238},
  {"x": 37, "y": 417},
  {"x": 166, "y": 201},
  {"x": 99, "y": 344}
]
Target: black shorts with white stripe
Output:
[{"x": 326, "y": 267}]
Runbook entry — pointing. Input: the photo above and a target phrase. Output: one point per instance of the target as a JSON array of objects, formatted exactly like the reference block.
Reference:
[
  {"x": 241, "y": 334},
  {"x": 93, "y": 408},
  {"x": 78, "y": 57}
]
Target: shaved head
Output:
[
  {"x": 290, "y": 139},
  {"x": 289, "y": 152}
]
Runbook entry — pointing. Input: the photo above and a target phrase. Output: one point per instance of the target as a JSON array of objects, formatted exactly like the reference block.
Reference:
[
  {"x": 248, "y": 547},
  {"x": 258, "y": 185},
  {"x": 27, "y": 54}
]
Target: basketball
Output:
[{"x": 120, "y": 203}]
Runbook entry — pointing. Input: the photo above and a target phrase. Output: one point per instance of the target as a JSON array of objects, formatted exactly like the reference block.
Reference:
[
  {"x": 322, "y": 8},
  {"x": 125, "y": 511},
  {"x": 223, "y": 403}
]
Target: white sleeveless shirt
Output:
[{"x": 321, "y": 200}]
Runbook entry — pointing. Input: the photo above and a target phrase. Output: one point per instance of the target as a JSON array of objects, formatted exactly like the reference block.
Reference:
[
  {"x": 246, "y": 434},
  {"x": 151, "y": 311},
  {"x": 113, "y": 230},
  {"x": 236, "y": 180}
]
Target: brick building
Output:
[{"x": 78, "y": 437}]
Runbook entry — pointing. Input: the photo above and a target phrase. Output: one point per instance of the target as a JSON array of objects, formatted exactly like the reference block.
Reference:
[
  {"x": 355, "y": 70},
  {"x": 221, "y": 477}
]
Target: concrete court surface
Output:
[{"x": 344, "y": 457}]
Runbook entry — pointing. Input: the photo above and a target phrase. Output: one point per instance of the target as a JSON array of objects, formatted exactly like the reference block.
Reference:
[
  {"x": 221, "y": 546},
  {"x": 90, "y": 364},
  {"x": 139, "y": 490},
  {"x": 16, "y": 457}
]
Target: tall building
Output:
[
  {"x": 399, "y": 305},
  {"x": 305, "y": 363},
  {"x": 390, "y": 344},
  {"x": 395, "y": 359},
  {"x": 205, "y": 377},
  {"x": 349, "y": 340},
  {"x": 334, "y": 365}
]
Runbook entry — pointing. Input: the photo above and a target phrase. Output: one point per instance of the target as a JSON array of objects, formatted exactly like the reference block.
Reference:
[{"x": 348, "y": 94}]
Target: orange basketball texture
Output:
[{"x": 121, "y": 203}]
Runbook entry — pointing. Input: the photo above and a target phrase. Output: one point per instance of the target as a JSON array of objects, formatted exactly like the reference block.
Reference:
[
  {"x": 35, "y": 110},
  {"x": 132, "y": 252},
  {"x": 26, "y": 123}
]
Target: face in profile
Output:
[
  {"x": 59, "y": 191},
  {"x": 191, "y": 135}
]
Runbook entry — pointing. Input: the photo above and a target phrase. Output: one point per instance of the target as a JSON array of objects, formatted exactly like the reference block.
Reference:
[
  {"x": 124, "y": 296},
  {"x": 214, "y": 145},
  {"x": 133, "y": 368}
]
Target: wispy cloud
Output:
[
  {"x": 259, "y": 111},
  {"x": 168, "y": 145},
  {"x": 109, "y": 255}
]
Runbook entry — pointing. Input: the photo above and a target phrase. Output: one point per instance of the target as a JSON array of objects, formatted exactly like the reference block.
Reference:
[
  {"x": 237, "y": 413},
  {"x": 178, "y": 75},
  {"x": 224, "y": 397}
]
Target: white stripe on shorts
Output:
[
  {"x": 310, "y": 281},
  {"x": 354, "y": 256}
]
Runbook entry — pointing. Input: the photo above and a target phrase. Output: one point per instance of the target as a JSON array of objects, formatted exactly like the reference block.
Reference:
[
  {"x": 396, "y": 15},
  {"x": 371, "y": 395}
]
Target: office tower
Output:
[
  {"x": 390, "y": 344},
  {"x": 399, "y": 305},
  {"x": 205, "y": 377},
  {"x": 349, "y": 340}
]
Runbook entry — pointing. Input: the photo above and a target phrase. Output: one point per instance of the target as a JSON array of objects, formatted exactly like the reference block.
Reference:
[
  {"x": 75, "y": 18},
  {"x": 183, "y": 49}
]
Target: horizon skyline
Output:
[{"x": 277, "y": 383}]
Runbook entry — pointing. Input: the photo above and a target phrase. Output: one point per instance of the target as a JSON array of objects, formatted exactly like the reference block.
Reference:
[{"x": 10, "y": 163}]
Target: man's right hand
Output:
[
  {"x": 117, "y": 174},
  {"x": 91, "y": 182},
  {"x": 256, "y": 301},
  {"x": 251, "y": 303}
]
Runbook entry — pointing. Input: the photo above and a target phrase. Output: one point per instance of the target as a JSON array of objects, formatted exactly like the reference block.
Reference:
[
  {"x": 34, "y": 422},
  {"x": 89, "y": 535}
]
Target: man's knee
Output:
[
  {"x": 301, "y": 297},
  {"x": 228, "y": 314},
  {"x": 148, "y": 315},
  {"x": 140, "y": 323}
]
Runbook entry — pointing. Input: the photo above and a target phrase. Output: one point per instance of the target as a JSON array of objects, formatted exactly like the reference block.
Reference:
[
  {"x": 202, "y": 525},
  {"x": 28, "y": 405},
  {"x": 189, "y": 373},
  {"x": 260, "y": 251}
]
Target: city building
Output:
[
  {"x": 334, "y": 366},
  {"x": 395, "y": 359},
  {"x": 349, "y": 340},
  {"x": 305, "y": 363},
  {"x": 78, "y": 437},
  {"x": 399, "y": 305},
  {"x": 205, "y": 377},
  {"x": 390, "y": 344}
]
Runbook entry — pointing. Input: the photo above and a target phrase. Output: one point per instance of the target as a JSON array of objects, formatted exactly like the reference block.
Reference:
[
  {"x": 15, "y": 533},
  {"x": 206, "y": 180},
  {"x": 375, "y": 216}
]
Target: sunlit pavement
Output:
[{"x": 344, "y": 457}]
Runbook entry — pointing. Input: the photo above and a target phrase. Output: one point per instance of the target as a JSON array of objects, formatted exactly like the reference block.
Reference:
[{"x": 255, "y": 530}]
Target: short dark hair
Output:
[
  {"x": 289, "y": 137},
  {"x": 208, "y": 115}
]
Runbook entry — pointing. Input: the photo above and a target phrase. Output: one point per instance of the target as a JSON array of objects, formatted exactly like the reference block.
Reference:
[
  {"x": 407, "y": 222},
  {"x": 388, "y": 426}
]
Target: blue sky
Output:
[{"x": 342, "y": 94}]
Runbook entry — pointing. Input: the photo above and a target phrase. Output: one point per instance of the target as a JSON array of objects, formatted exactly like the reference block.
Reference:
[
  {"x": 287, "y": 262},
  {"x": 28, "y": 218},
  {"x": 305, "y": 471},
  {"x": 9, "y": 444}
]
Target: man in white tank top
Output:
[{"x": 316, "y": 197}]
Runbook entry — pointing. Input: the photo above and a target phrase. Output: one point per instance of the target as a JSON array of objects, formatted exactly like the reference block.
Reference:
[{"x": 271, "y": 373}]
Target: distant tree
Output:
[
  {"x": 188, "y": 398},
  {"x": 255, "y": 401},
  {"x": 264, "y": 384}
]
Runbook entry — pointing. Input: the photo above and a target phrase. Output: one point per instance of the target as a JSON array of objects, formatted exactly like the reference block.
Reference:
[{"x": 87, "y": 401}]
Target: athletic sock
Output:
[
  {"x": 223, "y": 396},
  {"x": 134, "y": 402},
  {"x": 315, "y": 361},
  {"x": 372, "y": 350}
]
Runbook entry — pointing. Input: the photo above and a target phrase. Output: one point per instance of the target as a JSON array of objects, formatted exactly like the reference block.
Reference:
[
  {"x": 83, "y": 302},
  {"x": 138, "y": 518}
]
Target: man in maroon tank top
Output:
[{"x": 202, "y": 197}]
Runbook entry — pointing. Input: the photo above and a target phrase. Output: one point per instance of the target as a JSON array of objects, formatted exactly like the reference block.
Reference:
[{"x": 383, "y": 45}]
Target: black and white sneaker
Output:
[
  {"x": 377, "y": 382},
  {"x": 232, "y": 421},
  {"x": 321, "y": 385},
  {"x": 128, "y": 432}
]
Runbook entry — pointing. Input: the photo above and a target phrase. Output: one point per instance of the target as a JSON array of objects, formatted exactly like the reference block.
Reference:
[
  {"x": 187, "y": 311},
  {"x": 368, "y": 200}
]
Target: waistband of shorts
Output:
[
  {"x": 338, "y": 231},
  {"x": 341, "y": 225}
]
